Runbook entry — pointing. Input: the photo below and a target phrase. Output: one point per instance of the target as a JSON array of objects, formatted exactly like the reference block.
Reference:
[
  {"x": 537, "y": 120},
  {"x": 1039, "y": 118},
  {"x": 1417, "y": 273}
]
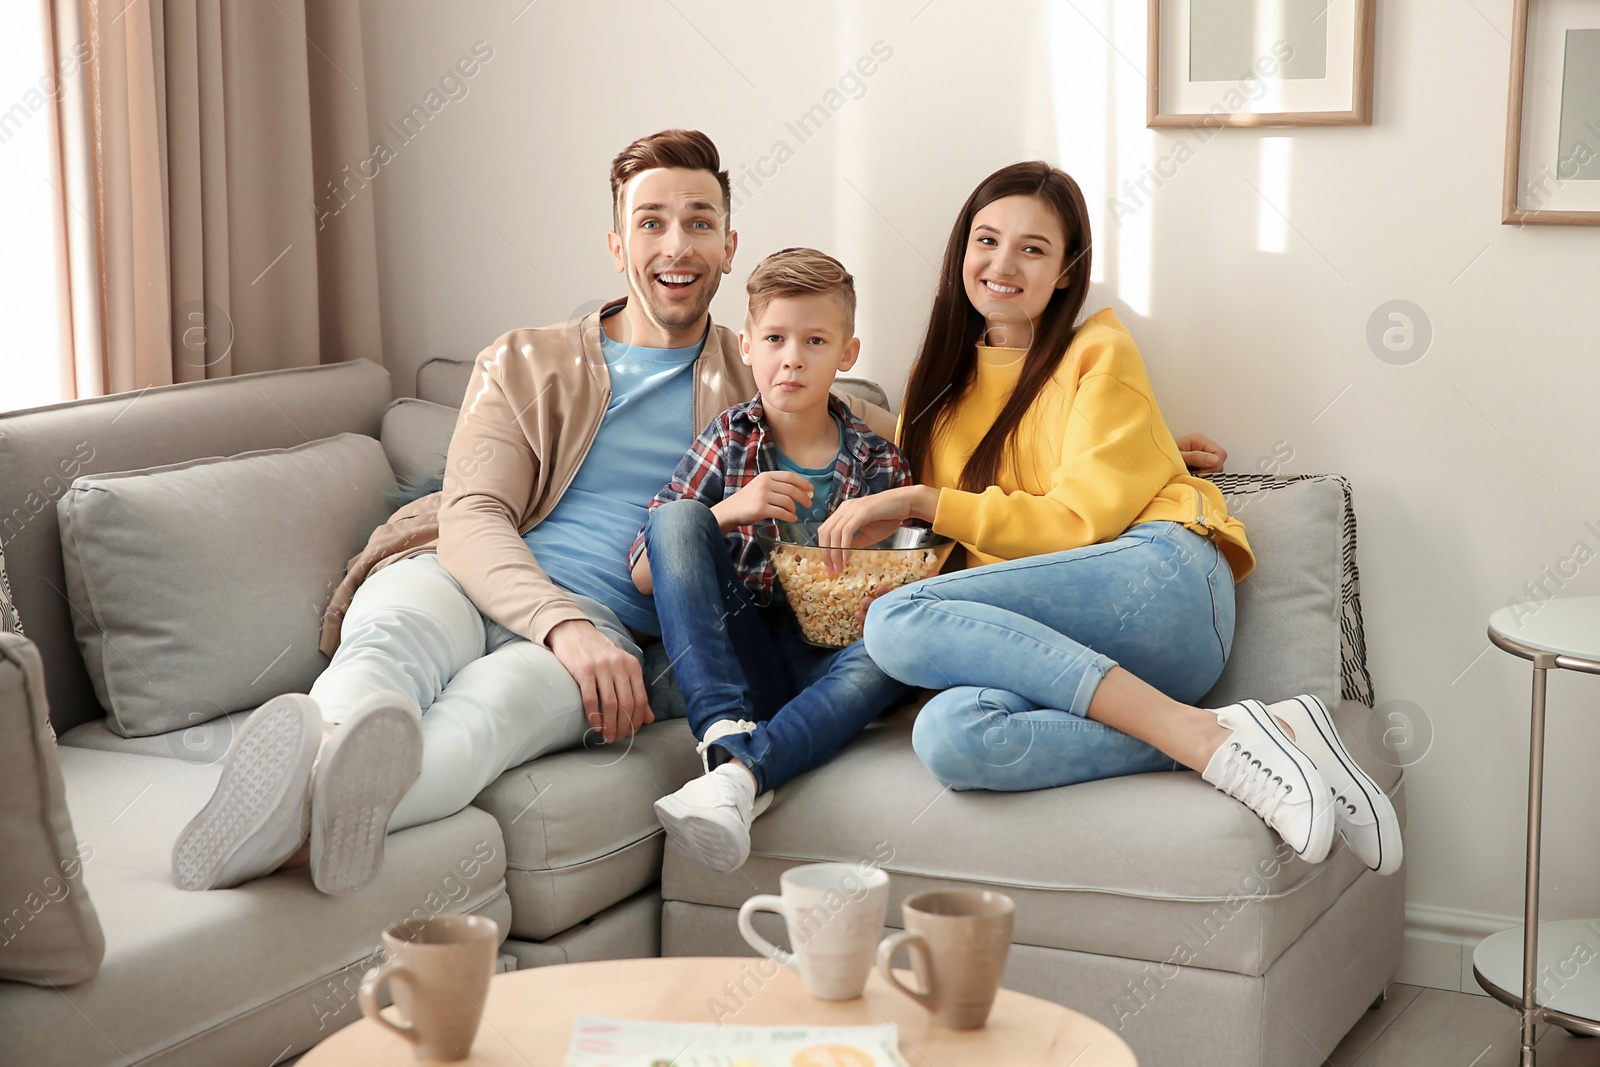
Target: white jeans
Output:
[{"x": 489, "y": 699}]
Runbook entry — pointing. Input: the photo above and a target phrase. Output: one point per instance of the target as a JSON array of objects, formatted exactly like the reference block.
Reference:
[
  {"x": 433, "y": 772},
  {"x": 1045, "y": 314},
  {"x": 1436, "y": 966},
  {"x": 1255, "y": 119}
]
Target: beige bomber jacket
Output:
[{"x": 534, "y": 404}]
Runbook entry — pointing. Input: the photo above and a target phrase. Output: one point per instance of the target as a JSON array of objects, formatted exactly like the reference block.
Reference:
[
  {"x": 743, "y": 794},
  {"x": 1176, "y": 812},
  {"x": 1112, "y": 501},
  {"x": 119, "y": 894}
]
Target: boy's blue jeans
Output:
[
  {"x": 1020, "y": 647},
  {"x": 735, "y": 659}
]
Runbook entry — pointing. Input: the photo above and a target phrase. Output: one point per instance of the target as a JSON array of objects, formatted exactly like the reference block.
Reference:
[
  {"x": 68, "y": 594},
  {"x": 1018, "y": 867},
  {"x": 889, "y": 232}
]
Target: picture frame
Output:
[
  {"x": 1552, "y": 171},
  {"x": 1218, "y": 63}
]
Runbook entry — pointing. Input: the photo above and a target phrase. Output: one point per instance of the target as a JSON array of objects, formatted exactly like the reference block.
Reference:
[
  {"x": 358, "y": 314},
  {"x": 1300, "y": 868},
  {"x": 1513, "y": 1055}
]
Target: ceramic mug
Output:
[
  {"x": 958, "y": 940},
  {"x": 440, "y": 968},
  {"x": 834, "y": 913}
]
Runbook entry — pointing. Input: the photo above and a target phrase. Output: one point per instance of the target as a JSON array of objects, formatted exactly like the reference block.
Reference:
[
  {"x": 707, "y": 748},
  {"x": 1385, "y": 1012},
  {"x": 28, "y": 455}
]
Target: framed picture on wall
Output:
[
  {"x": 1553, "y": 129},
  {"x": 1260, "y": 63}
]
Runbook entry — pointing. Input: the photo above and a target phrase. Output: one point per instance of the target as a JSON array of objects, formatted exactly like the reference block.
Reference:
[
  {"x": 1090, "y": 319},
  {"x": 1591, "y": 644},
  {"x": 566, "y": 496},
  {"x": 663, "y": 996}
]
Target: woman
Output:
[{"x": 1098, "y": 604}]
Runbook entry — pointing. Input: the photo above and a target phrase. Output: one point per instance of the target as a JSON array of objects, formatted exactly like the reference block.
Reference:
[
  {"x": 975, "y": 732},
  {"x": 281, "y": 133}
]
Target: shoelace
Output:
[{"x": 1252, "y": 783}]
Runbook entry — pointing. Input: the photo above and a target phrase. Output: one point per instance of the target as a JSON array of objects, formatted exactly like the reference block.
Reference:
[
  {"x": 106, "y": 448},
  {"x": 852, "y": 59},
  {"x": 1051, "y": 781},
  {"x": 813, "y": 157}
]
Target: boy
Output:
[{"x": 764, "y": 705}]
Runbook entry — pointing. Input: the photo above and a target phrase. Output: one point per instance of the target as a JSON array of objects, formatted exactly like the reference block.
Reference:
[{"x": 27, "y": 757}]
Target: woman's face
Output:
[{"x": 1014, "y": 261}]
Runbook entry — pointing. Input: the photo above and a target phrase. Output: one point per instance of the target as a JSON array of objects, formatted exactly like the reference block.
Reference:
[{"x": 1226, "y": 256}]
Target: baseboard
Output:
[{"x": 1439, "y": 945}]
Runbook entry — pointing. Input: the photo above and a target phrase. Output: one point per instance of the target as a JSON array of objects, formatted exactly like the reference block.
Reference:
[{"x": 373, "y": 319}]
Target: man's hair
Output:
[
  {"x": 800, "y": 272},
  {"x": 688, "y": 149}
]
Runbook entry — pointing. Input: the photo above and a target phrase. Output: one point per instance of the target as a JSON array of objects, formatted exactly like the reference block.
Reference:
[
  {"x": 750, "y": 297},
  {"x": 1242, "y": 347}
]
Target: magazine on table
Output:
[{"x": 600, "y": 1041}]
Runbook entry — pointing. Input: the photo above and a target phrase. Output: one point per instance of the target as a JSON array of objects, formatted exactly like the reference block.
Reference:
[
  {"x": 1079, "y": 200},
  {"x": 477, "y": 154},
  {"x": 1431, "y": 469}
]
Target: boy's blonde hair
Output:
[{"x": 800, "y": 272}]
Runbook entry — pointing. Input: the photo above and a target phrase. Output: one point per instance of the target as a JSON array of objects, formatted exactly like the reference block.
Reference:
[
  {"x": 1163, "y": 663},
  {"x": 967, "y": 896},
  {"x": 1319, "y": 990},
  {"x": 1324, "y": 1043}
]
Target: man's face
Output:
[
  {"x": 795, "y": 346},
  {"x": 673, "y": 245}
]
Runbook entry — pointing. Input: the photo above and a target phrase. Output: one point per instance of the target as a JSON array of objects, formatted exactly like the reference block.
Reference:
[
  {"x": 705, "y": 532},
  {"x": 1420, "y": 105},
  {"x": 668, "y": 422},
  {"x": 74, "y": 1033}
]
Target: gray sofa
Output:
[{"x": 1152, "y": 903}]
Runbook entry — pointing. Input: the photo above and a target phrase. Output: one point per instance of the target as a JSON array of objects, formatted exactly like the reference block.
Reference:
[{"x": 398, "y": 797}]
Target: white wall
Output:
[{"x": 1472, "y": 468}]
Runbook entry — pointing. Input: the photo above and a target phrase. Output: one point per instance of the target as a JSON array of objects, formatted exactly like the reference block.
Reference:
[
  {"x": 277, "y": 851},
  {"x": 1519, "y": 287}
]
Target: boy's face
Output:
[{"x": 795, "y": 346}]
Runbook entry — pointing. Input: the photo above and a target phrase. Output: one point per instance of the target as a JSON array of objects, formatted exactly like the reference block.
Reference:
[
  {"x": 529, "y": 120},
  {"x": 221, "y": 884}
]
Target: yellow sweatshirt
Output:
[{"x": 1091, "y": 458}]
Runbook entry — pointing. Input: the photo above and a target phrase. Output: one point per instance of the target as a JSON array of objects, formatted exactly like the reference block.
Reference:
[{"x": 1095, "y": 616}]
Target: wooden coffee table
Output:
[{"x": 528, "y": 1020}]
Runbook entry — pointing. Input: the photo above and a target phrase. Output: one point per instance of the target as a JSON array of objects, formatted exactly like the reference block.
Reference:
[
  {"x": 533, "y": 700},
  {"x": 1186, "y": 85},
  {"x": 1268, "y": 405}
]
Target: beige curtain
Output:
[{"x": 204, "y": 227}]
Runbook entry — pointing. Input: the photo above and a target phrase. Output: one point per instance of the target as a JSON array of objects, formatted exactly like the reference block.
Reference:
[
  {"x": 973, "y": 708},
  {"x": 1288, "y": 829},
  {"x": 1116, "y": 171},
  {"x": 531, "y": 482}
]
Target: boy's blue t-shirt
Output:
[
  {"x": 583, "y": 543},
  {"x": 821, "y": 479}
]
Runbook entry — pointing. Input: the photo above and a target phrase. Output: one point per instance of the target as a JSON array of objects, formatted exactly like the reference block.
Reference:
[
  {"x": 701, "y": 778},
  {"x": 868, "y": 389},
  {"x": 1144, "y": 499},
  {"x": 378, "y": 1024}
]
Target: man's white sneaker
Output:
[
  {"x": 260, "y": 812},
  {"x": 710, "y": 817},
  {"x": 1261, "y": 768},
  {"x": 366, "y": 767},
  {"x": 1365, "y": 817}
]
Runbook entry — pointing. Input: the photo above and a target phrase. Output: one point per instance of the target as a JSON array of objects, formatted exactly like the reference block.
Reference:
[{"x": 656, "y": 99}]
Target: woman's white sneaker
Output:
[
  {"x": 1261, "y": 768},
  {"x": 366, "y": 768},
  {"x": 259, "y": 814},
  {"x": 710, "y": 817},
  {"x": 1365, "y": 817}
]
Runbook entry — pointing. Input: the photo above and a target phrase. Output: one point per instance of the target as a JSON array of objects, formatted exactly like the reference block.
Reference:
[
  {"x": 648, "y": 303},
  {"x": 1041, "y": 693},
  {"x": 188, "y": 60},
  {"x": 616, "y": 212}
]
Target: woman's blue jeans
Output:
[
  {"x": 735, "y": 659},
  {"x": 1019, "y": 648}
]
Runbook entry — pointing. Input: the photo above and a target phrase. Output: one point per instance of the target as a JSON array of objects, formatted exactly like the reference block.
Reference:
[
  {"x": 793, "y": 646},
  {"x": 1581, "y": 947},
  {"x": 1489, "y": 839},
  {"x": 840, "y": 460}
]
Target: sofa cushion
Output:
[
  {"x": 1286, "y": 639},
  {"x": 204, "y": 742},
  {"x": 1255, "y": 499},
  {"x": 580, "y": 828},
  {"x": 207, "y": 742},
  {"x": 49, "y": 932},
  {"x": 42, "y": 450},
  {"x": 444, "y": 381},
  {"x": 1134, "y": 866},
  {"x": 416, "y": 438},
  {"x": 195, "y": 974},
  {"x": 626, "y": 931},
  {"x": 198, "y": 588}
]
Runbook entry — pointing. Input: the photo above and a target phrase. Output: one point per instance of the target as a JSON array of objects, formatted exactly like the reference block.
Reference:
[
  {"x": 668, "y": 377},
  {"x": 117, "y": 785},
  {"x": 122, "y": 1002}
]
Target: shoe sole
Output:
[
  {"x": 366, "y": 768},
  {"x": 707, "y": 840},
  {"x": 1320, "y": 841},
  {"x": 259, "y": 801},
  {"x": 1383, "y": 813}
]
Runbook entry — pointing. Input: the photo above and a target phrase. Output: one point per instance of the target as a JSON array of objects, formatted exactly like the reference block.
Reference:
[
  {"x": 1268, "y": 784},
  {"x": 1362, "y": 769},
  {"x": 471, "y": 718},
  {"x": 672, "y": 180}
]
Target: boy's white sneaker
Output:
[
  {"x": 1261, "y": 768},
  {"x": 260, "y": 812},
  {"x": 720, "y": 729},
  {"x": 1365, "y": 817},
  {"x": 367, "y": 766},
  {"x": 710, "y": 817}
]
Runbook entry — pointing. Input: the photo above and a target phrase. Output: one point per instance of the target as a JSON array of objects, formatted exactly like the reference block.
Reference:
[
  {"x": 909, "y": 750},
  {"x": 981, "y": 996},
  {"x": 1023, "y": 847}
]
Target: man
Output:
[{"x": 496, "y": 620}]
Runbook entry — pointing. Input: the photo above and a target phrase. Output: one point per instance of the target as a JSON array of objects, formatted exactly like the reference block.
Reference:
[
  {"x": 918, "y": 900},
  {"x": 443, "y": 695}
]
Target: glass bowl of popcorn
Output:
[{"x": 826, "y": 603}]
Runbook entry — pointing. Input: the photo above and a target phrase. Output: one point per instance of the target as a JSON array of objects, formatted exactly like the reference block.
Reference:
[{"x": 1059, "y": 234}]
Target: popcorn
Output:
[{"x": 826, "y": 603}]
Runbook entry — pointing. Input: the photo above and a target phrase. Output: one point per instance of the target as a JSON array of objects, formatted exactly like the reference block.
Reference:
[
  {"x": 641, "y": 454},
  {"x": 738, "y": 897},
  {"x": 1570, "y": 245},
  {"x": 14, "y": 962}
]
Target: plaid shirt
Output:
[{"x": 738, "y": 445}]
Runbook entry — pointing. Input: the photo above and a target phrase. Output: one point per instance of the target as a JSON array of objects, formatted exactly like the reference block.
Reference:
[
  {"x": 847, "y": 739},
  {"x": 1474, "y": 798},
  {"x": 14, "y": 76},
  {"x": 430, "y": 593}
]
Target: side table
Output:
[{"x": 1561, "y": 635}]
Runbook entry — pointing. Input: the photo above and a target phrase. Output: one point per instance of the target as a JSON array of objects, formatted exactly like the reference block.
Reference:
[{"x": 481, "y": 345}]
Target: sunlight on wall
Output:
[
  {"x": 1135, "y": 147},
  {"x": 1079, "y": 61},
  {"x": 1272, "y": 217},
  {"x": 30, "y": 371}
]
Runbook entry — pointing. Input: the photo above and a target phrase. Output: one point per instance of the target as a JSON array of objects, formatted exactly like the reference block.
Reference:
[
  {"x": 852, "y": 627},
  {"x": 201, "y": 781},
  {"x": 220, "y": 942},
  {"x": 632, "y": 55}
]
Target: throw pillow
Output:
[{"x": 198, "y": 588}]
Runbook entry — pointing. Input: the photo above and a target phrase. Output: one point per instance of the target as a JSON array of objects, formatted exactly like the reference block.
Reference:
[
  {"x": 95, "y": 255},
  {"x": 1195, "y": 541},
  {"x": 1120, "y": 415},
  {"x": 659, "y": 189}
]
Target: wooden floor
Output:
[{"x": 1419, "y": 1027}]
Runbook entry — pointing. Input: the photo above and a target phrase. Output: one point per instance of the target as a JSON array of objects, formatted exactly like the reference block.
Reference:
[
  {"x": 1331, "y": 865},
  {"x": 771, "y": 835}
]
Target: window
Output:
[{"x": 30, "y": 296}]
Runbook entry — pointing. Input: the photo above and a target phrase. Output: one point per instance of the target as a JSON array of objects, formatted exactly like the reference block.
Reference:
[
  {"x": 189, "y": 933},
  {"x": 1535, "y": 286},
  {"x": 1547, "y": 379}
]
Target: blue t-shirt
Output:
[
  {"x": 583, "y": 543},
  {"x": 821, "y": 479}
]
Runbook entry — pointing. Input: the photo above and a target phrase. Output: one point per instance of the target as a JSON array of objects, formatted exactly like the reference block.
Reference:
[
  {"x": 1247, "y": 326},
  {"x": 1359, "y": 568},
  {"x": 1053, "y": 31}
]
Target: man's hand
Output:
[
  {"x": 1201, "y": 454},
  {"x": 770, "y": 495},
  {"x": 610, "y": 680}
]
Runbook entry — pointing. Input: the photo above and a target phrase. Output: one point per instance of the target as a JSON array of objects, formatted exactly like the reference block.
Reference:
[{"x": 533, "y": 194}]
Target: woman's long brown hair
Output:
[{"x": 948, "y": 361}]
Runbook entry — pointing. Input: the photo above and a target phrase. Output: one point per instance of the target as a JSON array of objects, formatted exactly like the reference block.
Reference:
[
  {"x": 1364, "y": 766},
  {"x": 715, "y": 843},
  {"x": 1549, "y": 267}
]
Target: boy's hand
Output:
[{"x": 770, "y": 495}]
